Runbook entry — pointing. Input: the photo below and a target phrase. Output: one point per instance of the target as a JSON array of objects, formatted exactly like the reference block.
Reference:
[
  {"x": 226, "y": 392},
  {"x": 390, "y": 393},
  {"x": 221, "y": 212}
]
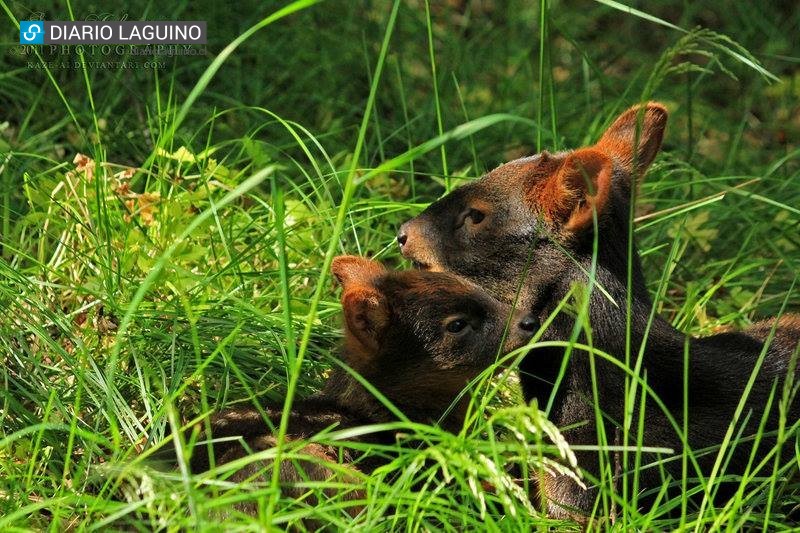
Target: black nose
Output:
[
  {"x": 402, "y": 237},
  {"x": 527, "y": 324}
]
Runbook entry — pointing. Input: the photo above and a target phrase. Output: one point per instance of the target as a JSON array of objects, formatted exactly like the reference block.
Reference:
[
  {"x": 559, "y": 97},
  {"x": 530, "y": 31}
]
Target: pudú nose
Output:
[
  {"x": 528, "y": 324},
  {"x": 402, "y": 237},
  {"x": 415, "y": 243},
  {"x": 405, "y": 231}
]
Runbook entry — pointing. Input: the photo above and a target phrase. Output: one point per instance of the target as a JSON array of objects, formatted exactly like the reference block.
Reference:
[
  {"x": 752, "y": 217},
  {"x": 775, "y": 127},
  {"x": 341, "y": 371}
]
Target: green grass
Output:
[{"x": 133, "y": 303}]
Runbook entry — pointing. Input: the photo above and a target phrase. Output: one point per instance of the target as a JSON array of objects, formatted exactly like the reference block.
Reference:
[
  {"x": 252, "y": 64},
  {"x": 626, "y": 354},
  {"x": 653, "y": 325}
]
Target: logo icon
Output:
[{"x": 31, "y": 32}]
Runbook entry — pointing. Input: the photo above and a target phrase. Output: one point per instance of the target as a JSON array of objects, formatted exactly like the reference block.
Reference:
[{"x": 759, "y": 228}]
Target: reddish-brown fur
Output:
[
  {"x": 578, "y": 188},
  {"x": 650, "y": 122},
  {"x": 396, "y": 337}
]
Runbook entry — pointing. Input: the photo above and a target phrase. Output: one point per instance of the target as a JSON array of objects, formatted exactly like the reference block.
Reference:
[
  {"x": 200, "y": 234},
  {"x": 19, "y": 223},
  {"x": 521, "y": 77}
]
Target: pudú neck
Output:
[{"x": 608, "y": 308}]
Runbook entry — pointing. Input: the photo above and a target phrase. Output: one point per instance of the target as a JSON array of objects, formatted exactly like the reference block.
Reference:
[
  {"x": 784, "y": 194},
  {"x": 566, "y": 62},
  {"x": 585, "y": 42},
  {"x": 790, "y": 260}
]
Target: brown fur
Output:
[
  {"x": 538, "y": 228},
  {"x": 397, "y": 337},
  {"x": 620, "y": 140},
  {"x": 579, "y": 188},
  {"x": 293, "y": 473},
  {"x": 787, "y": 332}
]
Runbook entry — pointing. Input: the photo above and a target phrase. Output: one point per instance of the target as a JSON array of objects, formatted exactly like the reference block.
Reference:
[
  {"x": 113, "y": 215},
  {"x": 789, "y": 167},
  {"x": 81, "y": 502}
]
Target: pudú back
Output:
[{"x": 535, "y": 219}]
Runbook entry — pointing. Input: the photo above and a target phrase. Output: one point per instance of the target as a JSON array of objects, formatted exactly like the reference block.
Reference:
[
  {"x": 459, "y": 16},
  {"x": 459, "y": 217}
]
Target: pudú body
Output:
[
  {"x": 418, "y": 337},
  {"x": 533, "y": 220}
]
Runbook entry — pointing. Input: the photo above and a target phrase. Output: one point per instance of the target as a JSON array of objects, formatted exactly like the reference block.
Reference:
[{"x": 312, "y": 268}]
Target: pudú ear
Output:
[
  {"x": 633, "y": 152},
  {"x": 580, "y": 185},
  {"x": 351, "y": 269},
  {"x": 366, "y": 312},
  {"x": 366, "y": 315}
]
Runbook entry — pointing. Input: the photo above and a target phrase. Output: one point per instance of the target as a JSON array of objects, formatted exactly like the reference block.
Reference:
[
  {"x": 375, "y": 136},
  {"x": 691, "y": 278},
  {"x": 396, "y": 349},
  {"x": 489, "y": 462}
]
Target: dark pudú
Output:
[{"x": 540, "y": 212}]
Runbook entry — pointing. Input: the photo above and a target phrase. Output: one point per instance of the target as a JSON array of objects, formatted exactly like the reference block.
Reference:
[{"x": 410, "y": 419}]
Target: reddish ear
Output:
[
  {"x": 633, "y": 152},
  {"x": 350, "y": 269},
  {"x": 366, "y": 312},
  {"x": 580, "y": 185},
  {"x": 366, "y": 316}
]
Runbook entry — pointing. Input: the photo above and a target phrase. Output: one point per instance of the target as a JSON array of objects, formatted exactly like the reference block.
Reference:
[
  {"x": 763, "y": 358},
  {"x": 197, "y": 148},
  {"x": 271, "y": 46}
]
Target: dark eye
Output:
[
  {"x": 476, "y": 216},
  {"x": 457, "y": 326}
]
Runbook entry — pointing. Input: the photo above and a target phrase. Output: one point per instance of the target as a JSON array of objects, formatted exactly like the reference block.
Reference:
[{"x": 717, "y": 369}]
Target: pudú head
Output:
[
  {"x": 534, "y": 208},
  {"x": 416, "y": 334}
]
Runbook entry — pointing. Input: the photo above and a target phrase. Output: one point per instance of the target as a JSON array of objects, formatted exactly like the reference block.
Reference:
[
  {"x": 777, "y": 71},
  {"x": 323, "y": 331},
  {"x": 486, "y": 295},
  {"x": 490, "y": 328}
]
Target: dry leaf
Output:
[{"x": 85, "y": 164}]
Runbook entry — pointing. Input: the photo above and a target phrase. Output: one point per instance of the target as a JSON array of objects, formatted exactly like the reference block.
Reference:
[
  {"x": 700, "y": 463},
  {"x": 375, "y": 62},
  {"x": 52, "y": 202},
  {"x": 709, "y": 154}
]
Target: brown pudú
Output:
[
  {"x": 534, "y": 220},
  {"x": 418, "y": 337}
]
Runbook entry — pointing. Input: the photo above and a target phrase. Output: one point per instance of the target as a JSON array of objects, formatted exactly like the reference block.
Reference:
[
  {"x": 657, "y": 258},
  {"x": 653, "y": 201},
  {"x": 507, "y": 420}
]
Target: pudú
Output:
[
  {"x": 418, "y": 337},
  {"x": 532, "y": 222}
]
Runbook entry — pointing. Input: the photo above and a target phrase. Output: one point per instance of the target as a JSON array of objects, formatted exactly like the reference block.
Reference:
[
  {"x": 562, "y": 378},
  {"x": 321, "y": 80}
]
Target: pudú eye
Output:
[
  {"x": 476, "y": 216},
  {"x": 457, "y": 326}
]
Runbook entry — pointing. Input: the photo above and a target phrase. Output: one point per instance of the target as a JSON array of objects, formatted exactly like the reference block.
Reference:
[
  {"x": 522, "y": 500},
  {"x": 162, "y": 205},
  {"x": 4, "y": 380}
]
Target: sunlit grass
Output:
[{"x": 182, "y": 268}]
